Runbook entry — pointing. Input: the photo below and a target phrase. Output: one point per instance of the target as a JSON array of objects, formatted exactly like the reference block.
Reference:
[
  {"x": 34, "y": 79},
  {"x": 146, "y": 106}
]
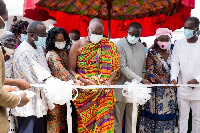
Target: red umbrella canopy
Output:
[{"x": 152, "y": 14}]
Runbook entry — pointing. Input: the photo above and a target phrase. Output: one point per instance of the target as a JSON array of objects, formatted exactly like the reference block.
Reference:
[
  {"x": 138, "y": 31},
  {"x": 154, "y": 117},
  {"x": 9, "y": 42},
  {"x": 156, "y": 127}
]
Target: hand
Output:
[
  {"x": 89, "y": 82},
  {"x": 24, "y": 99},
  {"x": 174, "y": 82},
  {"x": 144, "y": 81},
  {"x": 78, "y": 82},
  {"x": 22, "y": 84},
  {"x": 164, "y": 82},
  {"x": 108, "y": 83},
  {"x": 193, "y": 81},
  {"x": 9, "y": 88}
]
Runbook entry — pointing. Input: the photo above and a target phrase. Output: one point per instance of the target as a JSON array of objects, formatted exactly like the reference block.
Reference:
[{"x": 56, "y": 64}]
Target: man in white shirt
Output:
[{"x": 185, "y": 66}]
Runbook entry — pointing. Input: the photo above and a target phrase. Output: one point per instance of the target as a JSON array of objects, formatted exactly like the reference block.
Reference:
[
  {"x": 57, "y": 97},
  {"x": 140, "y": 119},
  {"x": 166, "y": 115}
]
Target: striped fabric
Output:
[
  {"x": 30, "y": 64},
  {"x": 95, "y": 108}
]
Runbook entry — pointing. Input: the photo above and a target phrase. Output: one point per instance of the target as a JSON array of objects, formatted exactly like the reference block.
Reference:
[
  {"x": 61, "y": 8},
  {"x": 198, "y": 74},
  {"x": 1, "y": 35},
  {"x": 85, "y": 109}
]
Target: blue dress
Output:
[{"x": 158, "y": 115}]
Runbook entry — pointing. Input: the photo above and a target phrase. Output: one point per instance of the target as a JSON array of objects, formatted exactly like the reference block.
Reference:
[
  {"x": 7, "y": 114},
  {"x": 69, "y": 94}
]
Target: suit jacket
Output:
[
  {"x": 6, "y": 99},
  {"x": 132, "y": 64}
]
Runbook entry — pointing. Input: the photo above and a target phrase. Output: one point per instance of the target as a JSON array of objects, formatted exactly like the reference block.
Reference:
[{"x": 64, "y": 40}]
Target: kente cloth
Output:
[{"x": 95, "y": 107}]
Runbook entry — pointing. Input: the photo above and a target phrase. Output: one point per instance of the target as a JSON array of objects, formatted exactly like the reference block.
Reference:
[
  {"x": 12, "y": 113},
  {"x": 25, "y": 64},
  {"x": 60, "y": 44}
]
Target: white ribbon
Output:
[
  {"x": 51, "y": 89},
  {"x": 122, "y": 86},
  {"x": 60, "y": 92}
]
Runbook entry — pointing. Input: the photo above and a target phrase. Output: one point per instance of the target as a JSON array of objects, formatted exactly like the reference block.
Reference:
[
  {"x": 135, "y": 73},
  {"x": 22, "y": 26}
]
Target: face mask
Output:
[
  {"x": 68, "y": 47},
  {"x": 94, "y": 38},
  {"x": 189, "y": 33},
  {"x": 41, "y": 41},
  {"x": 146, "y": 49},
  {"x": 163, "y": 45},
  {"x": 60, "y": 45},
  {"x": 9, "y": 51},
  {"x": 132, "y": 39},
  {"x": 2, "y": 32},
  {"x": 73, "y": 41},
  {"x": 23, "y": 37}
]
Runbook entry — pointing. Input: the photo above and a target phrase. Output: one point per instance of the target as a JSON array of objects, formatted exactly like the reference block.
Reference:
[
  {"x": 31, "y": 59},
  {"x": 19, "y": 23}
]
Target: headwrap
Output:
[{"x": 163, "y": 31}]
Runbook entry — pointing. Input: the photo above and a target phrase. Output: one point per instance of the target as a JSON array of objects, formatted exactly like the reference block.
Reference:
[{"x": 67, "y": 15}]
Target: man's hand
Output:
[
  {"x": 89, "y": 82},
  {"x": 24, "y": 99},
  {"x": 193, "y": 81},
  {"x": 108, "y": 83},
  {"x": 144, "y": 81},
  {"x": 22, "y": 84}
]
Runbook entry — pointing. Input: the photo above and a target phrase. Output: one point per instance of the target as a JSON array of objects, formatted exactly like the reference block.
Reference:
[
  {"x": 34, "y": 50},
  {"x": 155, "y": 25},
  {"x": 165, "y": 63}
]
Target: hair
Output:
[
  {"x": 74, "y": 31},
  {"x": 195, "y": 19},
  {"x": 155, "y": 45},
  {"x": 96, "y": 20},
  {"x": 3, "y": 9},
  {"x": 50, "y": 42},
  {"x": 33, "y": 26},
  {"x": 135, "y": 25},
  {"x": 17, "y": 27}
]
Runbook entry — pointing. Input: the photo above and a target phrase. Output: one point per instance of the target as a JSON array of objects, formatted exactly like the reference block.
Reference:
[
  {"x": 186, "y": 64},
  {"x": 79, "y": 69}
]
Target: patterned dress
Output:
[
  {"x": 56, "y": 118},
  {"x": 95, "y": 107},
  {"x": 158, "y": 115}
]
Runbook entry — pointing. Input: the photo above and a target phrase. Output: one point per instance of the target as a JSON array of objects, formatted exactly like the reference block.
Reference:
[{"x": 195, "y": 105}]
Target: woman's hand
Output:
[
  {"x": 89, "y": 82},
  {"x": 164, "y": 82},
  {"x": 78, "y": 82}
]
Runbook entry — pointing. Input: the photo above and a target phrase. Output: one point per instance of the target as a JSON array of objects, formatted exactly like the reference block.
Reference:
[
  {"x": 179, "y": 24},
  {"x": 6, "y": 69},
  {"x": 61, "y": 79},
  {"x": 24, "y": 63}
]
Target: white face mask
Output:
[
  {"x": 60, "y": 45},
  {"x": 9, "y": 51},
  {"x": 94, "y": 38},
  {"x": 132, "y": 39}
]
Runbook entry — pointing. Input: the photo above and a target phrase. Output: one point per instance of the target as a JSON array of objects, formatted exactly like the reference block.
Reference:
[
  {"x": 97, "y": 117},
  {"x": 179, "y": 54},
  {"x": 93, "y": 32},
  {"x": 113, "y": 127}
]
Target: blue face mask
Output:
[
  {"x": 146, "y": 49},
  {"x": 23, "y": 37},
  {"x": 132, "y": 39},
  {"x": 188, "y": 33},
  {"x": 41, "y": 41}
]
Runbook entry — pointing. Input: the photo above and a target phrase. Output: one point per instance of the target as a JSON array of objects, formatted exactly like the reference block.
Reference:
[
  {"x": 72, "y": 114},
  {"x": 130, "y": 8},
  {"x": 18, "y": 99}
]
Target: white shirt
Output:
[{"x": 185, "y": 64}]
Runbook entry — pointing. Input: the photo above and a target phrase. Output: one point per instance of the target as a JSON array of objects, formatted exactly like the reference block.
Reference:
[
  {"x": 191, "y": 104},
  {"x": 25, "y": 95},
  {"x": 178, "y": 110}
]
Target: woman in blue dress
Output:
[{"x": 158, "y": 115}]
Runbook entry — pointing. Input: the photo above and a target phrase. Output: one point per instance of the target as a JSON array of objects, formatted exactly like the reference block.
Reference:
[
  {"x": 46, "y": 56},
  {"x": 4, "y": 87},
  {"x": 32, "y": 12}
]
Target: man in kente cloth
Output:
[{"x": 95, "y": 61}]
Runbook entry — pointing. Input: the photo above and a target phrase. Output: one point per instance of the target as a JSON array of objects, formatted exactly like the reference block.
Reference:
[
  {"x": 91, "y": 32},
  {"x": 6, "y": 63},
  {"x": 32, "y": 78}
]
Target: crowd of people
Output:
[{"x": 29, "y": 55}]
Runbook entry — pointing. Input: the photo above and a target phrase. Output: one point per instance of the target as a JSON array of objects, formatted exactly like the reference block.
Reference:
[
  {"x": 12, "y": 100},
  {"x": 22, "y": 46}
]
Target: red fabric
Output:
[
  {"x": 188, "y": 3},
  {"x": 118, "y": 27},
  {"x": 33, "y": 12}
]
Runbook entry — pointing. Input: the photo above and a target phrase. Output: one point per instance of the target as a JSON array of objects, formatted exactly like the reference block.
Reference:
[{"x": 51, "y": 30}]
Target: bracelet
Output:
[{"x": 77, "y": 75}]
